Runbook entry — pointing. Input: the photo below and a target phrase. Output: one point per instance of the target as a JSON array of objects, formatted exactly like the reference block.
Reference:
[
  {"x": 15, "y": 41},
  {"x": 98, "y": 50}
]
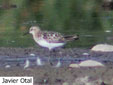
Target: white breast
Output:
[{"x": 44, "y": 43}]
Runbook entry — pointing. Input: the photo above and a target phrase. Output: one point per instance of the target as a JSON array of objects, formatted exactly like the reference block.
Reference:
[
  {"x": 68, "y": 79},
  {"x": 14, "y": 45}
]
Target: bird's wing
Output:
[{"x": 53, "y": 37}]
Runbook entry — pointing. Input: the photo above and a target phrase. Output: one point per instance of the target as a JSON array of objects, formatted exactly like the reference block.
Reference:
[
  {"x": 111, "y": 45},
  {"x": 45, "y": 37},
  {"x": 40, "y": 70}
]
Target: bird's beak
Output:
[{"x": 25, "y": 33}]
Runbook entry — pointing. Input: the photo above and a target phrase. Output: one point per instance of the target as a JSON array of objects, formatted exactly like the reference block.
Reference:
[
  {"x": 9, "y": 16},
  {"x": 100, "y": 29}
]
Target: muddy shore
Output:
[{"x": 13, "y": 60}]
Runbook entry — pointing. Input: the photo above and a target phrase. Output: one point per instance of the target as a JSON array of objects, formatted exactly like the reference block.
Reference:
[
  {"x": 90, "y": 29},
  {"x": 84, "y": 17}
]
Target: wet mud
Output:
[{"x": 23, "y": 62}]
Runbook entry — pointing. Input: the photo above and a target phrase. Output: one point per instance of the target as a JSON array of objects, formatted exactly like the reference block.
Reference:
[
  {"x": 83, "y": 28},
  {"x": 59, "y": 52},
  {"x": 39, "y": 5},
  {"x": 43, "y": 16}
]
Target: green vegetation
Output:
[{"x": 83, "y": 17}]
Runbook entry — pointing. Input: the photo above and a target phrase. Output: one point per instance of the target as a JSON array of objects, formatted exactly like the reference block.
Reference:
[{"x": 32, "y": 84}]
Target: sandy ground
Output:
[{"x": 12, "y": 63}]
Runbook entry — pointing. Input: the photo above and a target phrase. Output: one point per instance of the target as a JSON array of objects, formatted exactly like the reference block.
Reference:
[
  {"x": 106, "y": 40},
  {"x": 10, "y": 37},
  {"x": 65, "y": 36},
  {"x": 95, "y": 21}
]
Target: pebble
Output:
[
  {"x": 32, "y": 54},
  {"x": 102, "y": 48},
  {"x": 87, "y": 63},
  {"x": 86, "y": 54},
  {"x": 7, "y": 66},
  {"x": 65, "y": 83},
  {"x": 90, "y": 63},
  {"x": 74, "y": 65}
]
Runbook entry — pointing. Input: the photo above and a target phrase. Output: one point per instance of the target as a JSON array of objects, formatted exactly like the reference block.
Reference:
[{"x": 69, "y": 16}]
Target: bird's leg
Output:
[
  {"x": 57, "y": 55},
  {"x": 53, "y": 50},
  {"x": 54, "y": 56},
  {"x": 63, "y": 47},
  {"x": 59, "y": 63},
  {"x": 50, "y": 53},
  {"x": 50, "y": 50}
]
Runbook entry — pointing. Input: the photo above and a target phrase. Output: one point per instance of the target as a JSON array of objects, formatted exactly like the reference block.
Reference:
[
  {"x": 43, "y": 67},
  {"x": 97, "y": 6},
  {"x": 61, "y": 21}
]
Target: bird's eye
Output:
[{"x": 31, "y": 29}]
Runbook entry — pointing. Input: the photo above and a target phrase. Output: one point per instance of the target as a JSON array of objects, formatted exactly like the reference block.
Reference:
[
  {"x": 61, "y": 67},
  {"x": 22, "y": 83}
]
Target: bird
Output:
[{"x": 50, "y": 39}]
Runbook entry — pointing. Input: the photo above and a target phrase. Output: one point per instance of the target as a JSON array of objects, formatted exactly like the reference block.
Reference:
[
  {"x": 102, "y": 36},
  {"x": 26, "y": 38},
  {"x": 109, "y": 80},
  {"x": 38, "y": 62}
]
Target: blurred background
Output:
[{"x": 92, "y": 20}]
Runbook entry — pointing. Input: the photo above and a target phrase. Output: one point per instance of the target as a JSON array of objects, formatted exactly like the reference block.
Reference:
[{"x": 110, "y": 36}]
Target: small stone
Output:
[
  {"x": 74, "y": 65},
  {"x": 7, "y": 66},
  {"x": 44, "y": 81},
  {"x": 86, "y": 54},
  {"x": 32, "y": 54},
  {"x": 87, "y": 80},
  {"x": 65, "y": 83},
  {"x": 90, "y": 63},
  {"x": 103, "y": 83},
  {"x": 58, "y": 80},
  {"x": 87, "y": 63},
  {"x": 102, "y": 48}
]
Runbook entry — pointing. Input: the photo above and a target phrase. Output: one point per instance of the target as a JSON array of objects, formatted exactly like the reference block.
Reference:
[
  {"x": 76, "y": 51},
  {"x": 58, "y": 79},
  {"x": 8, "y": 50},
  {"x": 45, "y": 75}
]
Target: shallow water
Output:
[
  {"x": 24, "y": 58},
  {"x": 53, "y": 61}
]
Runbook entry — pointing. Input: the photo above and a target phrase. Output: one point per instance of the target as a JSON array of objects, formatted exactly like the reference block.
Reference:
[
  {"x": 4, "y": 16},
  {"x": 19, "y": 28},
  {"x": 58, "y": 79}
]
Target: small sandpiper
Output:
[{"x": 50, "y": 39}]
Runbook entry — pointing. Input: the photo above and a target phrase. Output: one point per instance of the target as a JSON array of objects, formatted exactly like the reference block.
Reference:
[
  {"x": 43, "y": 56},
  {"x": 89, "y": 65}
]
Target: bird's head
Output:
[{"x": 34, "y": 29}]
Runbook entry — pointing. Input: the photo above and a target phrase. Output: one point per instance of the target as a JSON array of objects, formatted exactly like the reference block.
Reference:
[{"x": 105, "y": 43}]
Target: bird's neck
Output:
[{"x": 37, "y": 34}]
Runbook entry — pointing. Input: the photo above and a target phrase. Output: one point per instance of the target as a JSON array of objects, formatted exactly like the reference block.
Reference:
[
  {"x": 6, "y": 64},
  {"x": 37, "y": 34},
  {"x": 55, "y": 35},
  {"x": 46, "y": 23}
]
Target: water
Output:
[
  {"x": 86, "y": 40},
  {"x": 30, "y": 61},
  {"x": 86, "y": 18}
]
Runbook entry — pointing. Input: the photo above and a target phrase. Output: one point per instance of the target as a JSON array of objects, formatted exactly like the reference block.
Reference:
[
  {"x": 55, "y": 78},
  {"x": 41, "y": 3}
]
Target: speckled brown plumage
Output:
[{"x": 53, "y": 37}]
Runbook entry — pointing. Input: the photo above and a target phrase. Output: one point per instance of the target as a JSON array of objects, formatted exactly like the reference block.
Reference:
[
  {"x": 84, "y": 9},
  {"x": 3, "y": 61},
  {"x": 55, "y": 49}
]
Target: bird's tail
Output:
[{"x": 71, "y": 37}]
